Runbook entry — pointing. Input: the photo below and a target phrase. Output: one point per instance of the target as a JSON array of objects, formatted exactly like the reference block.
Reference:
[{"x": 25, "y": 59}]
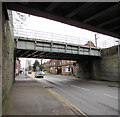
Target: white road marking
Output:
[
  {"x": 112, "y": 96},
  {"x": 80, "y": 88}
]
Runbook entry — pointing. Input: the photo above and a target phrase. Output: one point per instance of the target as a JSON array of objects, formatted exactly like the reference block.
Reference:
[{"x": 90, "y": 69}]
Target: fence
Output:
[{"x": 63, "y": 38}]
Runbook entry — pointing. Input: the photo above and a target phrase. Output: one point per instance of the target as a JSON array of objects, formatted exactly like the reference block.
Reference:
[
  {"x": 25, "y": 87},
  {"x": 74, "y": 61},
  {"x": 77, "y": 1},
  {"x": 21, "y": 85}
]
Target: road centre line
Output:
[
  {"x": 78, "y": 99},
  {"x": 112, "y": 96},
  {"x": 80, "y": 88},
  {"x": 89, "y": 90}
]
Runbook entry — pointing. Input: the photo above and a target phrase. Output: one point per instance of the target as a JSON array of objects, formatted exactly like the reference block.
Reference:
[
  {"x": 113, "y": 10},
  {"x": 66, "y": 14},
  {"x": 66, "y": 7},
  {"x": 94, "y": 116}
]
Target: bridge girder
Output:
[{"x": 30, "y": 48}]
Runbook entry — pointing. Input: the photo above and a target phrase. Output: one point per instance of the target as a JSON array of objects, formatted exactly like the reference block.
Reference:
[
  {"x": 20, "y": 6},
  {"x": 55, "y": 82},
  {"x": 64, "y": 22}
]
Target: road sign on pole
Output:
[{"x": 37, "y": 68}]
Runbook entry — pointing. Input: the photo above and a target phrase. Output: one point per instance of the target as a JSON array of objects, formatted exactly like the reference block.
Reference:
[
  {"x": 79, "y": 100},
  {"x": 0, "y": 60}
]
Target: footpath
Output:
[{"x": 29, "y": 97}]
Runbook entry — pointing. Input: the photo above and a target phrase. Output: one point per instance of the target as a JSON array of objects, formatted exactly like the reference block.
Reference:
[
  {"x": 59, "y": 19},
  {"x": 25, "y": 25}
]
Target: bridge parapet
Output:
[{"x": 55, "y": 47}]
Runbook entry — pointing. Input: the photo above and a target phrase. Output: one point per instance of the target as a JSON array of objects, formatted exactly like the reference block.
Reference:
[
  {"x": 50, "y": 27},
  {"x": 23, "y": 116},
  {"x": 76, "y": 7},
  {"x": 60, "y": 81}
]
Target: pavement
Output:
[{"x": 29, "y": 97}]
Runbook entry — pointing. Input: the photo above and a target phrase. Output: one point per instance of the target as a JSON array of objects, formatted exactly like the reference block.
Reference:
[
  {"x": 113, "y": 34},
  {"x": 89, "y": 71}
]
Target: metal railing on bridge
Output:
[
  {"x": 63, "y": 38},
  {"x": 47, "y": 36}
]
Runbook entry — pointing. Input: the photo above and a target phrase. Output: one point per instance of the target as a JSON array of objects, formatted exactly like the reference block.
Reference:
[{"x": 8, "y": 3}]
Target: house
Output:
[
  {"x": 90, "y": 43},
  {"x": 60, "y": 66},
  {"x": 17, "y": 66}
]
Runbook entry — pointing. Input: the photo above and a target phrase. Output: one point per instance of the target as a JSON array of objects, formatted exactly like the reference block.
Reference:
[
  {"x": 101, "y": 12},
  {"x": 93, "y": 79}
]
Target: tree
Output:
[
  {"x": 36, "y": 66},
  {"x": 19, "y": 21}
]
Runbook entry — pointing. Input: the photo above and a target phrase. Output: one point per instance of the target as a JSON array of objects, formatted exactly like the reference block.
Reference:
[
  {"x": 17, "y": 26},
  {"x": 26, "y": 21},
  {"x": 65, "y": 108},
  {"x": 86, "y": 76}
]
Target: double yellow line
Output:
[{"x": 67, "y": 102}]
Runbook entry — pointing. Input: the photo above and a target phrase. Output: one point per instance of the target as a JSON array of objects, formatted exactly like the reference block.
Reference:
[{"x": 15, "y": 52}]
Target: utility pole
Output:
[
  {"x": 96, "y": 39},
  {"x": 41, "y": 64},
  {"x": 41, "y": 61}
]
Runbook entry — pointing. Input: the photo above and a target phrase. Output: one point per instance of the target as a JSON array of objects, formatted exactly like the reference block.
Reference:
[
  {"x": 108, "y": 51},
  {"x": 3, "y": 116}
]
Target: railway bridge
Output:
[
  {"x": 102, "y": 18},
  {"x": 39, "y": 48}
]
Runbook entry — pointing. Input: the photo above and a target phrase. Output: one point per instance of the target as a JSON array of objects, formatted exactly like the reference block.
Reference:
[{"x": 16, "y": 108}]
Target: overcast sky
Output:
[{"x": 42, "y": 24}]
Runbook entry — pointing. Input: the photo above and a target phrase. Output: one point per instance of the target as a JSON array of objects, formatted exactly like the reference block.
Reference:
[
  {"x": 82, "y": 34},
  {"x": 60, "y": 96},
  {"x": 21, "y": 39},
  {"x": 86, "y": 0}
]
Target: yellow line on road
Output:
[{"x": 66, "y": 101}]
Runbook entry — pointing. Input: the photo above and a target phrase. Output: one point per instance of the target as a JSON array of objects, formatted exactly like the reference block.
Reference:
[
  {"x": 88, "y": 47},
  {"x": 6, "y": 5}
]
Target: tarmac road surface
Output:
[{"x": 90, "y": 97}]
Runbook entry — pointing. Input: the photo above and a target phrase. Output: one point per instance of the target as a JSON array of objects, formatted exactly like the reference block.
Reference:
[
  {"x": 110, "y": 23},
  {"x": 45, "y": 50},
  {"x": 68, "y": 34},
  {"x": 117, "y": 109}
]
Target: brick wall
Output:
[
  {"x": 60, "y": 67},
  {"x": 68, "y": 67},
  {"x": 46, "y": 66}
]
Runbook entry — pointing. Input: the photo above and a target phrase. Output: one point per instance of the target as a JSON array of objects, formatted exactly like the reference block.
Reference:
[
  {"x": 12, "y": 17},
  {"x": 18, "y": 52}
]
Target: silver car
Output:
[{"x": 39, "y": 74}]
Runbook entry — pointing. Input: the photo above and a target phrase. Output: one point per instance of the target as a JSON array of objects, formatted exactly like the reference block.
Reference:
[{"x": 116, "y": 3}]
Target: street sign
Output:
[{"x": 37, "y": 68}]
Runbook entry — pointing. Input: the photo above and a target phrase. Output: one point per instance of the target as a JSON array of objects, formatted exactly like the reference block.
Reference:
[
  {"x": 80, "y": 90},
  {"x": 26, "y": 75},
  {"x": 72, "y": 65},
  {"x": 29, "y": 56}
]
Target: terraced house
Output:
[{"x": 60, "y": 67}]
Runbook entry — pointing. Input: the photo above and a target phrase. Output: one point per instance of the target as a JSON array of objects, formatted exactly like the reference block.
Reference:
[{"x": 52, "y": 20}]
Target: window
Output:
[{"x": 67, "y": 69}]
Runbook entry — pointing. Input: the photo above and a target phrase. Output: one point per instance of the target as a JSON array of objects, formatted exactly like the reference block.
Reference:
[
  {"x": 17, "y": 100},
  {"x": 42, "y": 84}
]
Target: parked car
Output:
[
  {"x": 39, "y": 74},
  {"x": 29, "y": 72}
]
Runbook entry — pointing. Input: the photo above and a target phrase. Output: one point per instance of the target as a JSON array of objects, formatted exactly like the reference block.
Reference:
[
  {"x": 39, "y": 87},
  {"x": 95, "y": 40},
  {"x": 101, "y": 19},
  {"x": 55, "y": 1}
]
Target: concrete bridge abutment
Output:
[
  {"x": 6, "y": 53},
  {"x": 104, "y": 68}
]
